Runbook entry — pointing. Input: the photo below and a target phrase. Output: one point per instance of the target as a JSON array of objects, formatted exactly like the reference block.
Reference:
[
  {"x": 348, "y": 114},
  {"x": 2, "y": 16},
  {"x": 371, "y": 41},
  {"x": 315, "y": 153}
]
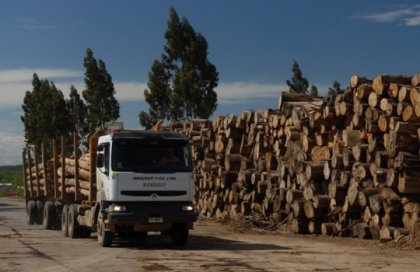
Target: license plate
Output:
[{"x": 155, "y": 219}]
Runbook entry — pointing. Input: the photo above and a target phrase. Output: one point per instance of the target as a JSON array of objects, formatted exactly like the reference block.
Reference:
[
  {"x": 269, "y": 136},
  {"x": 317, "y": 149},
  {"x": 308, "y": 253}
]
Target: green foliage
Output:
[
  {"x": 99, "y": 94},
  {"x": 12, "y": 174},
  {"x": 45, "y": 114},
  {"x": 297, "y": 84},
  {"x": 336, "y": 89},
  {"x": 12, "y": 168},
  {"x": 158, "y": 96},
  {"x": 181, "y": 85},
  {"x": 77, "y": 114},
  {"x": 314, "y": 90}
]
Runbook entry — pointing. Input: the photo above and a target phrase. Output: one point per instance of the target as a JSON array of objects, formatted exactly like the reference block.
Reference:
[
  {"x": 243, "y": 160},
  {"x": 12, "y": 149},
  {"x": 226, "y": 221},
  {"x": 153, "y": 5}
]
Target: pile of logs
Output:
[{"x": 344, "y": 165}]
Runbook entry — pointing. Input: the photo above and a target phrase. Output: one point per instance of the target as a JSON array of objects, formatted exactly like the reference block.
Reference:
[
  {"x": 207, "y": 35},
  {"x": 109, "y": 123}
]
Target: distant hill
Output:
[{"x": 11, "y": 168}]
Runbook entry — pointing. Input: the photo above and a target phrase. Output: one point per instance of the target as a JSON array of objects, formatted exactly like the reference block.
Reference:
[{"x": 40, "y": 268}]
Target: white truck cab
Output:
[{"x": 144, "y": 183}]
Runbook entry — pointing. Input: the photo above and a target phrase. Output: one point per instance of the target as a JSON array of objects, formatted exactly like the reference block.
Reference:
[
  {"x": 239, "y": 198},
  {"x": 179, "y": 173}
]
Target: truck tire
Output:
[
  {"x": 104, "y": 236},
  {"x": 31, "y": 212},
  {"x": 39, "y": 212},
  {"x": 179, "y": 234},
  {"x": 65, "y": 221},
  {"x": 73, "y": 224},
  {"x": 58, "y": 208},
  {"x": 49, "y": 215}
]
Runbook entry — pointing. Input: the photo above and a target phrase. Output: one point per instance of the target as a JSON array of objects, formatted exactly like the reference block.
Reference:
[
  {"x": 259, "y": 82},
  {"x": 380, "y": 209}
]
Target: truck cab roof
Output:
[{"x": 145, "y": 135}]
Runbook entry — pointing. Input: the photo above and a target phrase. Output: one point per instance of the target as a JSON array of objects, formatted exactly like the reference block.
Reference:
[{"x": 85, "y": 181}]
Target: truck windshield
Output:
[{"x": 147, "y": 157}]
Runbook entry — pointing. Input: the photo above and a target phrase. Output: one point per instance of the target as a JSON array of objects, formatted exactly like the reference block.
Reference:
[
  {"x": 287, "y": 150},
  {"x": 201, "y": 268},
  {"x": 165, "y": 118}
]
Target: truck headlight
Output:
[
  {"x": 187, "y": 208},
  {"x": 117, "y": 208}
]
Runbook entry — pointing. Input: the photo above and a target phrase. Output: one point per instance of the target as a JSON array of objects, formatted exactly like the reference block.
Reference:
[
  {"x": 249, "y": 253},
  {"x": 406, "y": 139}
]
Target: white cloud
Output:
[
  {"x": 128, "y": 91},
  {"x": 12, "y": 94},
  {"x": 36, "y": 27},
  {"x": 240, "y": 92},
  {"x": 228, "y": 93},
  {"x": 390, "y": 16},
  {"x": 26, "y": 20},
  {"x": 32, "y": 24},
  {"x": 408, "y": 15},
  {"x": 14, "y": 83},
  {"x": 25, "y": 74},
  {"x": 414, "y": 21},
  {"x": 11, "y": 146}
]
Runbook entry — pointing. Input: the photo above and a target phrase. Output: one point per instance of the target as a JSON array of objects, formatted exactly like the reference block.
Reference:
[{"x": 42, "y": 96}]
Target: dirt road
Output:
[{"x": 212, "y": 247}]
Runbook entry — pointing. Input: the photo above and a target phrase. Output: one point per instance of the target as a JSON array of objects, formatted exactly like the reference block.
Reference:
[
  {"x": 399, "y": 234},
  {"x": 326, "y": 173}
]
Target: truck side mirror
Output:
[{"x": 100, "y": 160}]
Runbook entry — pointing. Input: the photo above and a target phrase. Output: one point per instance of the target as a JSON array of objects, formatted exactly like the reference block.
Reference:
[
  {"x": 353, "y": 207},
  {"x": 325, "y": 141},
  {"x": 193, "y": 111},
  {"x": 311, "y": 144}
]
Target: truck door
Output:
[{"x": 103, "y": 169}]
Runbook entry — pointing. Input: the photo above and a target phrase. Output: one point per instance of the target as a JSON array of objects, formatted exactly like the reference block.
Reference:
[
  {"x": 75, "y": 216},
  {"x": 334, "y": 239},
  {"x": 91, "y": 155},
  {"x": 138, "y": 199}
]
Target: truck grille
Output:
[{"x": 149, "y": 193}]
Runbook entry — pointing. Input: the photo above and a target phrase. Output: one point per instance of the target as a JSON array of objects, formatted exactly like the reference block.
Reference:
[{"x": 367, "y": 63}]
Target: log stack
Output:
[
  {"x": 36, "y": 172},
  {"x": 46, "y": 178},
  {"x": 345, "y": 164},
  {"x": 35, "y": 179},
  {"x": 82, "y": 177}
]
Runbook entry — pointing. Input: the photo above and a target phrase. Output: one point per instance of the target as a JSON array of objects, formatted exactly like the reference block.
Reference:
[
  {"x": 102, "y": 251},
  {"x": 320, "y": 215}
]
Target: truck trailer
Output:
[{"x": 129, "y": 183}]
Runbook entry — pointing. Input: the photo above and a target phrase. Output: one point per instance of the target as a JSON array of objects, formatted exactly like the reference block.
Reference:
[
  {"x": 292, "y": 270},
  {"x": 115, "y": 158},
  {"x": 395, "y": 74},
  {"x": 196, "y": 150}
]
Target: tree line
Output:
[
  {"x": 47, "y": 114},
  {"x": 180, "y": 86},
  {"x": 13, "y": 175}
]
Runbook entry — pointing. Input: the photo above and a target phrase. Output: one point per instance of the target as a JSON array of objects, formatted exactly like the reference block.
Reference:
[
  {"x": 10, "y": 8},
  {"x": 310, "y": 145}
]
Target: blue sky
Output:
[{"x": 252, "y": 44}]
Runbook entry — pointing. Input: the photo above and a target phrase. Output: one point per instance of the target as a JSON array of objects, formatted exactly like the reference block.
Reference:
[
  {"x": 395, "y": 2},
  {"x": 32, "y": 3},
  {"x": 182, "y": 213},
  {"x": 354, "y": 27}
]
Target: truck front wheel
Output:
[
  {"x": 104, "y": 235},
  {"x": 179, "y": 234}
]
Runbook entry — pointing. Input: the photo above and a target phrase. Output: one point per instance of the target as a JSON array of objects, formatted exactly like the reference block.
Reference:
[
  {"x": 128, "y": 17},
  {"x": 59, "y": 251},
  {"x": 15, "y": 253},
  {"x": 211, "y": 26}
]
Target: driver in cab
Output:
[{"x": 169, "y": 158}]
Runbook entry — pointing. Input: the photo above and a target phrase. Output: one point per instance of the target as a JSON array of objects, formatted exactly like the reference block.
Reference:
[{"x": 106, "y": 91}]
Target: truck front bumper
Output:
[{"x": 151, "y": 213}]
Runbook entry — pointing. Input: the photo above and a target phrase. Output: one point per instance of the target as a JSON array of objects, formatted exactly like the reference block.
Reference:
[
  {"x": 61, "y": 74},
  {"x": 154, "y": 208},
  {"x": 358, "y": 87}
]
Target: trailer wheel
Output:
[
  {"x": 179, "y": 234},
  {"x": 58, "y": 210},
  {"x": 31, "y": 212},
  {"x": 65, "y": 221},
  {"x": 104, "y": 236},
  {"x": 49, "y": 215},
  {"x": 73, "y": 225},
  {"x": 39, "y": 212}
]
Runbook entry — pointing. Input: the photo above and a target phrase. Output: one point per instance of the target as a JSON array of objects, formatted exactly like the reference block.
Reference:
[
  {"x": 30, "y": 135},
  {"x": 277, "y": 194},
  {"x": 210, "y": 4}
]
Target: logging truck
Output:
[{"x": 128, "y": 184}]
